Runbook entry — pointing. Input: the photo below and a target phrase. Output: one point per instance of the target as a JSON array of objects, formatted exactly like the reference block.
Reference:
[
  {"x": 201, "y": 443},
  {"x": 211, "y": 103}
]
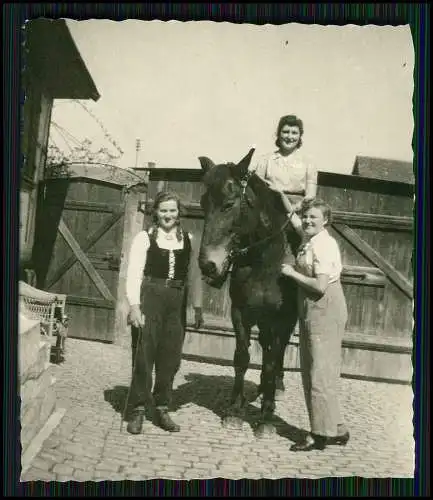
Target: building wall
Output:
[{"x": 36, "y": 124}]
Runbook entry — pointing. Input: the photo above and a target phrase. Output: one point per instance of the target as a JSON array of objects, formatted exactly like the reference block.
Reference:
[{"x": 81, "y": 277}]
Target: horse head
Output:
[{"x": 238, "y": 209}]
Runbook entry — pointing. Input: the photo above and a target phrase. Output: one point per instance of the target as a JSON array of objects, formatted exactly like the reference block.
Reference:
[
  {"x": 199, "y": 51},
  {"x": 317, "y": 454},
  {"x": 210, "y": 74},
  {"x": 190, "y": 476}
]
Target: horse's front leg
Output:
[
  {"x": 270, "y": 343},
  {"x": 236, "y": 412}
]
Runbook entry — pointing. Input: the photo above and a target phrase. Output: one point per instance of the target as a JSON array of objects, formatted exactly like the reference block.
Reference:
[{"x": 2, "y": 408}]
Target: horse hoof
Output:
[
  {"x": 279, "y": 394},
  {"x": 264, "y": 430},
  {"x": 232, "y": 422}
]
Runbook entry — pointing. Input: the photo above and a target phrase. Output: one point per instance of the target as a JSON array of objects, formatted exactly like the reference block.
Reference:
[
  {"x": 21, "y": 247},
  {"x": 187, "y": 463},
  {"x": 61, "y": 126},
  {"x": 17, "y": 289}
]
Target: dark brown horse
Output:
[{"x": 246, "y": 229}]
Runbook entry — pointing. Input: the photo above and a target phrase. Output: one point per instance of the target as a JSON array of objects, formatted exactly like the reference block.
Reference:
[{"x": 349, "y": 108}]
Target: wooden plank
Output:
[
  {"x": 354, "y": 340},
  {"x": 393, "y": 275},
  {"x": 342, "y": 181},
  {"x": 370, "y": 221},
  {"x": 355, "y": 182},
  {"x": 364, "y": 220},
  {"x": 88, "y": 206},
  {"x": 363, "y": 275},
  {"x": 379, "y": 362},
  {"x": 76, "y": 300},
  {"x": 88, "y": 243},
  {"x": 82, "y": 257}
]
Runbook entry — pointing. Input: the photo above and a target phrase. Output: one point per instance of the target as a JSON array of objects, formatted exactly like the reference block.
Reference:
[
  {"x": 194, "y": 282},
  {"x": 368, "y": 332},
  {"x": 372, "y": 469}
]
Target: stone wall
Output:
[{"x": 38, "y": 398}]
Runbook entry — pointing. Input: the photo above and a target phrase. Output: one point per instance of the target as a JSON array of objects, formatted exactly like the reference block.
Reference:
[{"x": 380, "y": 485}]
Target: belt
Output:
[{"x": 165, "y": 282}]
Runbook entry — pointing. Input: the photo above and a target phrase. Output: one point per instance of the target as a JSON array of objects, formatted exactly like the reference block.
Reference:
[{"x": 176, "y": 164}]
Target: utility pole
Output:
[{"x": 137, "y": 151}]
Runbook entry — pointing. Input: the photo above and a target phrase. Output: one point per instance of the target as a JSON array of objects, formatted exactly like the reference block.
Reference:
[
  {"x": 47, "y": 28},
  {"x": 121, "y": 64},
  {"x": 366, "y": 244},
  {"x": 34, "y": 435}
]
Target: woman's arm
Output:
[
  {"x": 136, "y": 263},
  {"x": 317, "y": 284},
  {"x": 289, "y": 208},
  {"x": 196, "y": 283},
  {"x": 310, "y": 183}
]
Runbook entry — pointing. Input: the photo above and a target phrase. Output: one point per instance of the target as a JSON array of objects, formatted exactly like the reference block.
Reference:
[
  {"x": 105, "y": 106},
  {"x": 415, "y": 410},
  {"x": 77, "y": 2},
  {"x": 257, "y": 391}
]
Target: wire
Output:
[
  {"x": 101, "y": 125},
  {"x": 65, "y": 140},
  {"x": 68, "y": 134}
]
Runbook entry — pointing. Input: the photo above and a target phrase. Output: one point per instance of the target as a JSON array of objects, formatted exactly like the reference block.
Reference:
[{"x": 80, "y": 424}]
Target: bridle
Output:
[{"x": 240, "y": 252}]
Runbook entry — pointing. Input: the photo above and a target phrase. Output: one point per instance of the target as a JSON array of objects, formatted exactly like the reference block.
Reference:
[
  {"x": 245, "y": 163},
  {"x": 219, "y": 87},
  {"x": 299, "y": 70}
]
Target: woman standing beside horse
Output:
[
  {"x": 157, "y": 277},
  {"x": 322, "y": 319},
  {"x": 287, "y": 170}
]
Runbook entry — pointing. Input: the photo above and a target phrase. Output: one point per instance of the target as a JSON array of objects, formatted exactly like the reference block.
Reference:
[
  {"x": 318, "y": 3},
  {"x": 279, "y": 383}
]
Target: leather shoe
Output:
[
  {"x": 162, "y": 419},
  {"x": 340, "y": 440},
  {"x": 135, "y": 425},
  {"x": 309, "y": 444}
]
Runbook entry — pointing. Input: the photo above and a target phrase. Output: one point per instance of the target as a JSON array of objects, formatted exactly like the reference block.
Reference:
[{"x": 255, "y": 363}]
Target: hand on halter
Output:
[{"x": 136, "y": 317}]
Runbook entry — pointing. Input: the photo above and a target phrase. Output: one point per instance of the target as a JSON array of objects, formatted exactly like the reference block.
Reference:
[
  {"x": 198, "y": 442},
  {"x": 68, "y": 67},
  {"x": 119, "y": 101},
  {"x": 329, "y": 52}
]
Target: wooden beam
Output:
[
  {"x": 358, "y": 219},
  {"x": 362, "y": 275},
  {"x": 88, "y": 243},
  {"x": 76, "y": 300},
  {"x": 370, "y": 221},
  {"x": 370, "y": 253},
  {"x": 89, "y": 206},
  {"x": 331, "y": 179},
  {"x": 351, "y": 340},
  {"x": 85, "y": 262}
]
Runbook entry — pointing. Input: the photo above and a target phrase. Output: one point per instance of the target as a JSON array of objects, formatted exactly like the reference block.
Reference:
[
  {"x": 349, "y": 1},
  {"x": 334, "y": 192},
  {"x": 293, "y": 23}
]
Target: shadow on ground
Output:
[{"x": 213, "y": 393}]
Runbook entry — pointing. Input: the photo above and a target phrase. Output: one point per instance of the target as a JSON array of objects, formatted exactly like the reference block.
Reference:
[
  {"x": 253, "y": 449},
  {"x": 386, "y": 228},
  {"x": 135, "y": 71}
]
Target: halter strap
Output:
[{"x": 243, "y": 251}]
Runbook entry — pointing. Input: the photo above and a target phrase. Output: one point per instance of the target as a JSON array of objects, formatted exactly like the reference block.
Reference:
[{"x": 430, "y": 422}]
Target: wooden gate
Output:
[
  {"x": 80, "y": 240},
  {"x": 373, "y": 225}
]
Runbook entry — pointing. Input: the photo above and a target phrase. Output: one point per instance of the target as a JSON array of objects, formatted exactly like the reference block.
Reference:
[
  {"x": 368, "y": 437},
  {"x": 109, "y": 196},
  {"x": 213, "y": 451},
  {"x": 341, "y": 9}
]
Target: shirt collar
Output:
[{"x": 317, "y": 237}]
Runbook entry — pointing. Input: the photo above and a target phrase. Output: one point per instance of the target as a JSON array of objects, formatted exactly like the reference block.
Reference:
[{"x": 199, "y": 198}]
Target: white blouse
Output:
[
  {"x": 138, "y": 256},
  {"x": 292, "y": 173},
  {"x": 320, "y": 255}
]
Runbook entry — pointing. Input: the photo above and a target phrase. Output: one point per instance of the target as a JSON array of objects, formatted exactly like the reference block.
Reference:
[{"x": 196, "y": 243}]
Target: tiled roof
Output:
[{"x": 383, "y": 168}]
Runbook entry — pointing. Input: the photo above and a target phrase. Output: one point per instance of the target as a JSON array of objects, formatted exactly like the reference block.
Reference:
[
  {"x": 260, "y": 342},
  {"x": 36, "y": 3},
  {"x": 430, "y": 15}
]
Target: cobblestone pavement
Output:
[{"x": 88, "y": 444}]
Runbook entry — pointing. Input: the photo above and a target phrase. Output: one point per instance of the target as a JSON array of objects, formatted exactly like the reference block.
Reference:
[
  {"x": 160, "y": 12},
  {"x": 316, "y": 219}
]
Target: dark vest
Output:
[{"x": 157, "y": 261}]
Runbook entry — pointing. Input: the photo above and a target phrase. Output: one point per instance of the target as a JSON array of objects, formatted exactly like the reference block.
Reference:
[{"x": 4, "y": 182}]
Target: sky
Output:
[{"x": 190, "y": 89}]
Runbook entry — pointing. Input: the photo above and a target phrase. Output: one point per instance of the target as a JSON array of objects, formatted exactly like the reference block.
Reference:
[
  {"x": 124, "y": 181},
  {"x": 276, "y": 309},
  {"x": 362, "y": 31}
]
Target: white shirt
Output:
[
  {"x": 320, "y": 255},
  {"x": 138, "y": 256}
]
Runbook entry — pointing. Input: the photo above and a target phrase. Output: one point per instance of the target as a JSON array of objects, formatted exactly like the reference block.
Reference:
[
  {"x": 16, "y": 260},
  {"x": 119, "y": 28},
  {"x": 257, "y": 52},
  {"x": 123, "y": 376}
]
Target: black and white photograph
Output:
[{"x": 216, "y": 251}]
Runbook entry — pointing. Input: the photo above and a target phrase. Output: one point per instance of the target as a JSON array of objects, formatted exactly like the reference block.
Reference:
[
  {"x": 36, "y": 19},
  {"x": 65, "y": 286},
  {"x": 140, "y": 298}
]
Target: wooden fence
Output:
[{"x": 373, "y": 224}]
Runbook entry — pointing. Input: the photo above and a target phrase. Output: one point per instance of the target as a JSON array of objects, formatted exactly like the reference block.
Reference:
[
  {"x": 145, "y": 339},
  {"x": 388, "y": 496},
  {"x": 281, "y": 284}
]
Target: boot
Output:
[
  {"x": 135, "y": 424},
  {"x": 162, "y": 419}
]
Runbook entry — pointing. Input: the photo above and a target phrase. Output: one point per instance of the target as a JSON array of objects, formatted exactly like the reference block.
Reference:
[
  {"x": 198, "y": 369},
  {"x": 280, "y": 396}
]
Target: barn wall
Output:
[{"x": 37, "y": 115}]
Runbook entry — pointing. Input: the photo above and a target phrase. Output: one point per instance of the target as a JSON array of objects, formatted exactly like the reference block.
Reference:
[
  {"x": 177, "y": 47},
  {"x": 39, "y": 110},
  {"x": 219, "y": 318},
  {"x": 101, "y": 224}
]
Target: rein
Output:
[{"x": 243, "y": 251}]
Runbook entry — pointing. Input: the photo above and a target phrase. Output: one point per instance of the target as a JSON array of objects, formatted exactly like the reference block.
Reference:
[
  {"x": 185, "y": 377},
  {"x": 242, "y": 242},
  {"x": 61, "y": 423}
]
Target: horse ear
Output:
[
  {"x": 245, "y": 162},
  {"x": 206, "y": 163}
]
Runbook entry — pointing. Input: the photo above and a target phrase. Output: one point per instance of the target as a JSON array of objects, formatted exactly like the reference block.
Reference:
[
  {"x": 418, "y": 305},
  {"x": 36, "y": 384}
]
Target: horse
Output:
[{"x": 247, "y": 234}]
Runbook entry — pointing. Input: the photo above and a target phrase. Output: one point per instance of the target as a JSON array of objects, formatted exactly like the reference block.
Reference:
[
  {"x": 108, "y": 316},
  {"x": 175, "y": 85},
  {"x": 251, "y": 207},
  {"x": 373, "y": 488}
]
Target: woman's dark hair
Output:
[
  {"x": 292, "y": 121},
  {"x": 321, "y": 205},
  {"x": 160, "y": 198}
]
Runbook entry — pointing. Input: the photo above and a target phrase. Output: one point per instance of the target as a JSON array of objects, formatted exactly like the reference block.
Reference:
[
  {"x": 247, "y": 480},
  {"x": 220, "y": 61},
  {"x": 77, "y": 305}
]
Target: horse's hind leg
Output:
[{"x": 236, "y": 411}]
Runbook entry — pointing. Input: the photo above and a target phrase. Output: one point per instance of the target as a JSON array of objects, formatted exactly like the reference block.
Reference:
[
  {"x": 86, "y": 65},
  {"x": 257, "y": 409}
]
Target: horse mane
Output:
[
  {"x": 273, "y": 204},
  {"x": 270, "y": 201}
]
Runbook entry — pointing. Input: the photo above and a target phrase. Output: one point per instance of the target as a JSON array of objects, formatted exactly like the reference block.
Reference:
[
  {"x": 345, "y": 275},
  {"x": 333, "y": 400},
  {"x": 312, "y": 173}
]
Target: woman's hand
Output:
[
  {"x": 297, "y": 206},
  {"x": 287, "y": 270},
  {"x": 274, "y": 186},
  {"x": 136, "y": 317}
]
